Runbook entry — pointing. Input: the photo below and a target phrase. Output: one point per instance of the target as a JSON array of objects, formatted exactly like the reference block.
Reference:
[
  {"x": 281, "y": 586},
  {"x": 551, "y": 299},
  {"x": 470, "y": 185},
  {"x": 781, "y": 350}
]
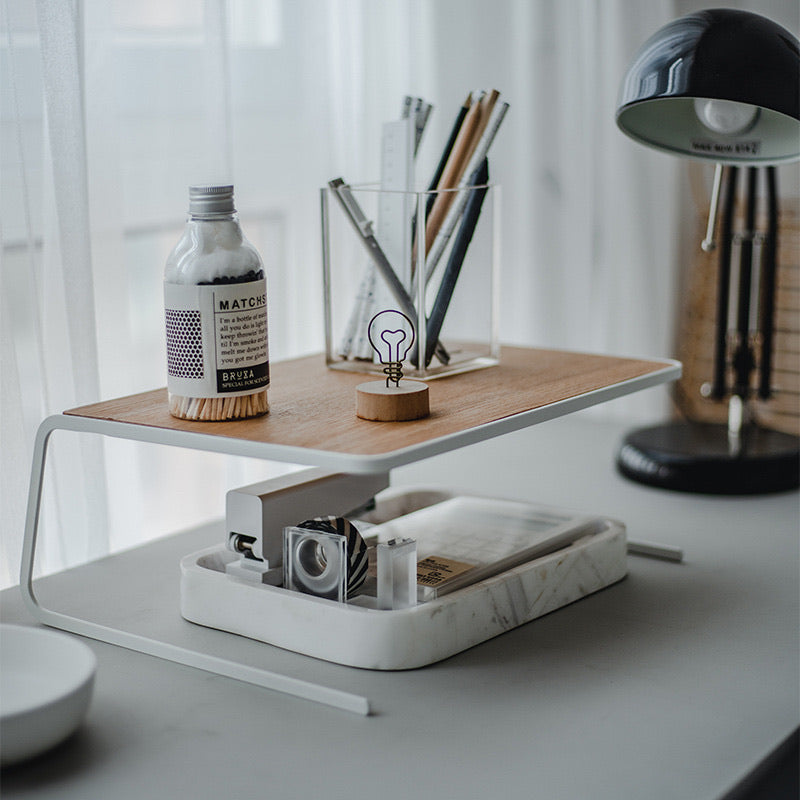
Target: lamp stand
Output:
[
  {"x": 698, "y": 457},
  {"x": 740, "y": 457}
]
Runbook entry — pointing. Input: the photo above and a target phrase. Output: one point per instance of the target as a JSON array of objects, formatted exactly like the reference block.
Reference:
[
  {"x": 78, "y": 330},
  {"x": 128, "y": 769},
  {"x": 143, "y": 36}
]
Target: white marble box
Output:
[{"x": 359, "y": 634}]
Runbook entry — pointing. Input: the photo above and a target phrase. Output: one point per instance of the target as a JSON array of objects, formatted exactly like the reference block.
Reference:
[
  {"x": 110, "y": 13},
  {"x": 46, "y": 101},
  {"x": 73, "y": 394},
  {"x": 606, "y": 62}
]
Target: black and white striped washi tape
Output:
[{"x": 357, "y": 559}]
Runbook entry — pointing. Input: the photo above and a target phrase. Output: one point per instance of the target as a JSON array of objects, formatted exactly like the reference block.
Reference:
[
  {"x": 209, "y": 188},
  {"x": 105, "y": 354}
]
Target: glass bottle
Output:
[{"x": 215, "y": 302}]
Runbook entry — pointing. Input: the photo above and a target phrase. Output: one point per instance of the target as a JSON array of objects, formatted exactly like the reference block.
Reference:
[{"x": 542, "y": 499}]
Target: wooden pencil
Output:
[{"x": 474, "y": 124}]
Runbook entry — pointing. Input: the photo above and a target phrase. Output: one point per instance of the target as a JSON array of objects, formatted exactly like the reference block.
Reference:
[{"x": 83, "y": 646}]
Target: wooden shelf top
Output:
[{"x": 312, "y": 408}]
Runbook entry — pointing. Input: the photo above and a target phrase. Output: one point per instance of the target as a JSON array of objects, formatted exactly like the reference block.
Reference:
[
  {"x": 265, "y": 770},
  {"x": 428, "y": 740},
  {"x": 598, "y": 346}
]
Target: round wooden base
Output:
[{"x": 409, "y": 400}]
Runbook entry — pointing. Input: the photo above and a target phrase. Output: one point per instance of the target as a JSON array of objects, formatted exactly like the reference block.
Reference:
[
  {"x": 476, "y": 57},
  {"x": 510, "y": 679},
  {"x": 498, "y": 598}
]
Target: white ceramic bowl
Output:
[{"x": 46, "y": 682}]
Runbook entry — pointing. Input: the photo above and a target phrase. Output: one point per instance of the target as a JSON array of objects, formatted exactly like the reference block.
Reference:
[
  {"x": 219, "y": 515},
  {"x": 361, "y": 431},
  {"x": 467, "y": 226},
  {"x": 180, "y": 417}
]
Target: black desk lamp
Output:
[{"x": 724, "y": 86}]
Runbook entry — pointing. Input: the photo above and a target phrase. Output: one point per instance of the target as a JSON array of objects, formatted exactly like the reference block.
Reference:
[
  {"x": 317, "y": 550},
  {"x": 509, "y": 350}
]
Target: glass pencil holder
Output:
[{"x": 376, "y": 257}]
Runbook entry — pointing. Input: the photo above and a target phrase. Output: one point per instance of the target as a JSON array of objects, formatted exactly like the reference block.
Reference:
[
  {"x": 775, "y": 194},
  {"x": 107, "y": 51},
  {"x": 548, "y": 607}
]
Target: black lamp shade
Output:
[{"x": 736, "y": 57}]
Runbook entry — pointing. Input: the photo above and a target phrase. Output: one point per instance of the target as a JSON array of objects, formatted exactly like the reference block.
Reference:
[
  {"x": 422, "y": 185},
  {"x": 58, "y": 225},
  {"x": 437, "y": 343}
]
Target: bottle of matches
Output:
[{"x": 215, "y": 303}]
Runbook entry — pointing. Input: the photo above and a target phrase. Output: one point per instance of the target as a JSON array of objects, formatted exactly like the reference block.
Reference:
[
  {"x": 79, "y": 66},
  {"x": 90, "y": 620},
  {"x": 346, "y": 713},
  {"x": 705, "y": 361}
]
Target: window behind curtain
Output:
[{"x": 280, "y": 96}]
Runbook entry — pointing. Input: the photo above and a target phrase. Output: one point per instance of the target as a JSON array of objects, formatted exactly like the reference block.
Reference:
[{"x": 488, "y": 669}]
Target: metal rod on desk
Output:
[{"x": 662, "y": 551}]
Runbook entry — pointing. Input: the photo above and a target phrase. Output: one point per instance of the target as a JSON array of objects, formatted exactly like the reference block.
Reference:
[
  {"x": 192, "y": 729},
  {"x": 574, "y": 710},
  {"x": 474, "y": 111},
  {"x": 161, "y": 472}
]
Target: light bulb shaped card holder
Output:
[{"x": 391, "y": 334}]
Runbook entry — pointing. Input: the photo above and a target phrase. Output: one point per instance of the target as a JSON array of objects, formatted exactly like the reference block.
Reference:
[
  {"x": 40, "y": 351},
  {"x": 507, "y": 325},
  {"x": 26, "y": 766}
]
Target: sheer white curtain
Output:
[
  {"x": 110, "y": 110},
  {"x": 588, "y": 217}
]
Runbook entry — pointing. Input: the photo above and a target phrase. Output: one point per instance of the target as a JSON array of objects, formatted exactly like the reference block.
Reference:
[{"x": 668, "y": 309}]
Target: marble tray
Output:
[{"x": 359, "y": 636}]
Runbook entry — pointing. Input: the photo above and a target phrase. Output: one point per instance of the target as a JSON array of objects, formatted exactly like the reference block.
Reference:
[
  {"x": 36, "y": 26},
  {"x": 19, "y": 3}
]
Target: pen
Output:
[
  {"x": 364, "y": 229},
  {"x": 448, "y": 148},
  {"x": 447, "y": 227},
  {"x": 468, "y": 136},
  {"x": 437, "y": 175},
  {"x": 479, "y": 178}
]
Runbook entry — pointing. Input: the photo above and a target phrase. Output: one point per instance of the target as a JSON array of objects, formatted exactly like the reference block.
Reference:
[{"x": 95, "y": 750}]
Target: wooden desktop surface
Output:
[{"x": 314, "y": 407}]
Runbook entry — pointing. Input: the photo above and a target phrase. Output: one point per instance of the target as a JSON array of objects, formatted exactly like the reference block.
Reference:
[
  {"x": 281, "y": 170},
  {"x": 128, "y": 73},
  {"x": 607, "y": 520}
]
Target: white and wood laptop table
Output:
[
  {"x": 674, "y": 682},
  {"x": 312, "y": 420}
]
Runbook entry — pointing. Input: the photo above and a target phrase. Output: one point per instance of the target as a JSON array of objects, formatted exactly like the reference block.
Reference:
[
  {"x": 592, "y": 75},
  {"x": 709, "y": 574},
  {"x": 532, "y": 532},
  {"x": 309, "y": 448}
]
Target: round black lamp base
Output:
[{"x": 697, "y": 457}]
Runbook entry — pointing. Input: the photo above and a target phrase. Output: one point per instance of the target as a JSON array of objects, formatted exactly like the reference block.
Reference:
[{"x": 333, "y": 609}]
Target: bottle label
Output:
[{"x": 217, "y": 342}]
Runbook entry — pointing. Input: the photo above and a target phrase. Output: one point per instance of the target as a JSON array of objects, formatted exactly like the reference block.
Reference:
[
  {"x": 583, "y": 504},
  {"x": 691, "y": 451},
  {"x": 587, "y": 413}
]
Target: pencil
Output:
[
  {"x": 448, "y": 148},
  {"x": 437, "y": 176},
  {"x": 457, "y": 205},
  {"x": 475, "y": 122},
  {"x": 479, "y": 178}
]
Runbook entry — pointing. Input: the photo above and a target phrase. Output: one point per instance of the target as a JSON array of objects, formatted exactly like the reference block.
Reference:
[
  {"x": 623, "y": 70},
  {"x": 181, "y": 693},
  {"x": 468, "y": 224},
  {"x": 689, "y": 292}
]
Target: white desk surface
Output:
[{"x": 673, "y": 683}]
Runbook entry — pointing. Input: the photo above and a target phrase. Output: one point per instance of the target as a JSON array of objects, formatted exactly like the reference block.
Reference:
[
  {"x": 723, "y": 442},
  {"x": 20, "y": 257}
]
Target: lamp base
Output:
[{"x": 697, "y": 457}]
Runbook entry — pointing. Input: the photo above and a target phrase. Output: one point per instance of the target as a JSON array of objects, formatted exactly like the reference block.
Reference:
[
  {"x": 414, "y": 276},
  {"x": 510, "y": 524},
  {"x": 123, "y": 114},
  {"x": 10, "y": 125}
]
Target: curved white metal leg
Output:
[{"x": 141, "y": 644}]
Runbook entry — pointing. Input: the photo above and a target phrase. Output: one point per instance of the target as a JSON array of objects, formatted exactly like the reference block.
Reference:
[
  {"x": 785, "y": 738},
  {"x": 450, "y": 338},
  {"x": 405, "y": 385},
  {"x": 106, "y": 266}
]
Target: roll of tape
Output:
[{"x": 357, "y": 558}]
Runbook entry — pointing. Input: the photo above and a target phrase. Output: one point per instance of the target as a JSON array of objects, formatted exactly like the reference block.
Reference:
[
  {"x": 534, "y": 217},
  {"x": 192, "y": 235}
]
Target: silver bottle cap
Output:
[{"x": 211, "y": 200}]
